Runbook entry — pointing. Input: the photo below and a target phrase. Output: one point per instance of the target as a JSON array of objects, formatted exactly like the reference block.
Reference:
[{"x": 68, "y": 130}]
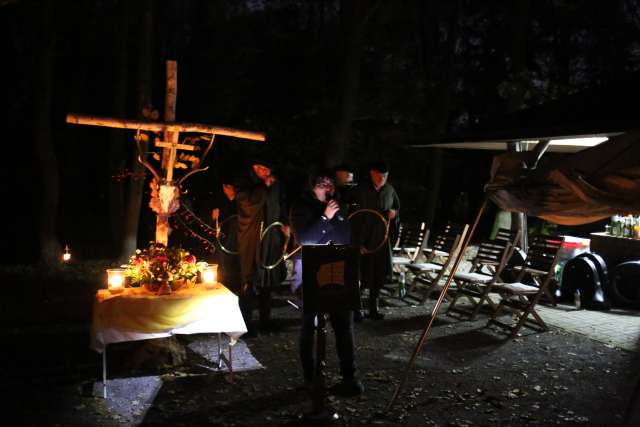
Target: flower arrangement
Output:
[{"x": 159, "y": 264}]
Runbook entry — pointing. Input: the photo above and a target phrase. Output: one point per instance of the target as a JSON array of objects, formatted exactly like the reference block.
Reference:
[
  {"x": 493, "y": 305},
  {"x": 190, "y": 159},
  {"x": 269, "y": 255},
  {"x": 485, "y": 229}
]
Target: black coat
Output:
[{"x": 258, "y": 204}]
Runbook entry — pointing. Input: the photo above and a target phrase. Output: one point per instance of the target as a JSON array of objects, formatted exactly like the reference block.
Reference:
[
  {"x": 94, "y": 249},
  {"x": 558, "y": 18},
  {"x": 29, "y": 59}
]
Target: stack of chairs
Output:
[
  {"x": 533, "y": 280},
  {"x": 427, "y": 276},
  {"x": 476, "y": 284}
]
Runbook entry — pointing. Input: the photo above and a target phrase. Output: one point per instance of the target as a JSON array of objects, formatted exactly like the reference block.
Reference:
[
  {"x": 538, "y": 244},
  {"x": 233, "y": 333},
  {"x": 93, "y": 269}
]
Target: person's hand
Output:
[
  {"x": 269, "y": 180},
  {"x": 286, "y": 230},
  {"x": 331, "y": 209},
  {"x": 215, "y": 214},
  {"x": 392, "y": 213}
]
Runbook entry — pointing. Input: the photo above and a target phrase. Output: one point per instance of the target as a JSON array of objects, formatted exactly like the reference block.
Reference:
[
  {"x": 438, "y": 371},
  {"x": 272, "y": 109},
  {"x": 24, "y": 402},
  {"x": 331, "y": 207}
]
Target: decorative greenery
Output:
[{"x": 158, "y": 263}]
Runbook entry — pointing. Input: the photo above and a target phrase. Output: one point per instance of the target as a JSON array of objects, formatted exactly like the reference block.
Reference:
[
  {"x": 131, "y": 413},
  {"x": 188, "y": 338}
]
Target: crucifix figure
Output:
[{"x": 166, "y": 190}]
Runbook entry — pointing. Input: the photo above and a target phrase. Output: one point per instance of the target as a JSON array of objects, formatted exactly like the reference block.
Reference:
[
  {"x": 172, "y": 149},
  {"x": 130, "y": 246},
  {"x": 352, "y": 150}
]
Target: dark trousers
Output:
[
  {"x": 373, "y": 272},
  {"x": 250, "y": 300},
  {"x": 374, "y": 269},
  {"x": 342, "y": 325}
]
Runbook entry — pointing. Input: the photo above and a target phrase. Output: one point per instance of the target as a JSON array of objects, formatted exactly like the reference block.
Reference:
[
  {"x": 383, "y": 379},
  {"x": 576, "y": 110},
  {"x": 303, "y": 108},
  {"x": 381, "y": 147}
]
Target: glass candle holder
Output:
[
  {"x": 115, "y": 280},
  {"x": 210, "y": 274}
]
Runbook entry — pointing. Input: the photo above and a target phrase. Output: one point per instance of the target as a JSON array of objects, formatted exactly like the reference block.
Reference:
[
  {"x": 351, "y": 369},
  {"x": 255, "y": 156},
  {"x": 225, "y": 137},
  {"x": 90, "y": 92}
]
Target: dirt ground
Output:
[{"x": 466, "y": 374}]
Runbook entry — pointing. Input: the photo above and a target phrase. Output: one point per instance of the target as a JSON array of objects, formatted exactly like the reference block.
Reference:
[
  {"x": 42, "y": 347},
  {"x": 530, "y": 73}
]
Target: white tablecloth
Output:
[{"x": 138, "y": 315}]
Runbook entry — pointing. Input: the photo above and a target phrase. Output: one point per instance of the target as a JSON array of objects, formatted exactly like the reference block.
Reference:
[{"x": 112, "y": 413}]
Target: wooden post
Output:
[
  {"x": 163, "y": 228},
  {"x": 170, "y": 135}
]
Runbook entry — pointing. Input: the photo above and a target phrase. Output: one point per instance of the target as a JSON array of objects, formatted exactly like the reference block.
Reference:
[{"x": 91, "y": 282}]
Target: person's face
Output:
[
  {"x": 324, "y": 187},
  {"x": 343, "y": 177},
  {"x": 378, "y": 178},
  {"x": 229, "y": 191},
  {"x": 261, "y": 171}
]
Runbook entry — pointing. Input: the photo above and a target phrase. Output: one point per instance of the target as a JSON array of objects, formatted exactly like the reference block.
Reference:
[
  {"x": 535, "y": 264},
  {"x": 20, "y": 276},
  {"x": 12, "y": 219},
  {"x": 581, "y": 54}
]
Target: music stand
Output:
[{"x": 329, "y": 284}]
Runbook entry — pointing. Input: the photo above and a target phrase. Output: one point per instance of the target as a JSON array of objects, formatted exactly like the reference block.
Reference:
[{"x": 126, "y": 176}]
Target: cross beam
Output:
[{"x": 110, "y": 122}]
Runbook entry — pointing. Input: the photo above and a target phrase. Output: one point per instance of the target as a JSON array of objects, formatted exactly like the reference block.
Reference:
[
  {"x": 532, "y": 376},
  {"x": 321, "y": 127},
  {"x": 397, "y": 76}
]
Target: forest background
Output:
[{"x": 327, "y": 80}]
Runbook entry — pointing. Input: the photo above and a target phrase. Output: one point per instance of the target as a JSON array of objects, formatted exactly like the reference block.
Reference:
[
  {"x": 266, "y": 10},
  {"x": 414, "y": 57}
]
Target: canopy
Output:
[{"x": 572, "y": 189}]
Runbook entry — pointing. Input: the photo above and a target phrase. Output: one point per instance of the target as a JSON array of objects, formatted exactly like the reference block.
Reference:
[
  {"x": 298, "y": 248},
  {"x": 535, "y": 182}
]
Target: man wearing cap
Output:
[
  {"x": 345, "y": 184},
  {"x": 260, "y": 202},
  {"x": 377, "y": 194}
]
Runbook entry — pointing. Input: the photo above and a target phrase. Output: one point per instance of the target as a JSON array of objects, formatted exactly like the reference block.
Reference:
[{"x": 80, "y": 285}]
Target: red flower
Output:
[
  {"x": 190, "y": 259},
  {"x": 162, "y": 258},
  {"x": 137, "y": 261}
]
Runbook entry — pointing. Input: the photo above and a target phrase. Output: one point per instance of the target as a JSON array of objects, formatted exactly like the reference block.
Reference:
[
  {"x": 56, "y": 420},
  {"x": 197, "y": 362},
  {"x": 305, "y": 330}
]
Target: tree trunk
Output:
[
  {"x": 354, "y": 16},
  {"x": 136, "y": 186},
  {"x": 434, "y": 183},
  {"x": 50, "y": 250},
  {"x": 117, "y": 143},
  {"x": 438, "y": 68},
  {"x": 519, "y": 19}
]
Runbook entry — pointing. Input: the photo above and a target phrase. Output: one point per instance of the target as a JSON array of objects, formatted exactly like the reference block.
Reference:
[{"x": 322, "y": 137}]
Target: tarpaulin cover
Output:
[{"x": 571, "y": 189}]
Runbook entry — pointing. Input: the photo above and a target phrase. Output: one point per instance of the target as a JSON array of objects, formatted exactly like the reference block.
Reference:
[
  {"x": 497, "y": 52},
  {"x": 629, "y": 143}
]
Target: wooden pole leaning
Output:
[{"x": 465, "y": 239}]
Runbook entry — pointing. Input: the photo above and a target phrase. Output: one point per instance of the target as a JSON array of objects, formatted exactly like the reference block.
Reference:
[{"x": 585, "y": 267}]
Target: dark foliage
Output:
[{"x": 427, "y": 67}]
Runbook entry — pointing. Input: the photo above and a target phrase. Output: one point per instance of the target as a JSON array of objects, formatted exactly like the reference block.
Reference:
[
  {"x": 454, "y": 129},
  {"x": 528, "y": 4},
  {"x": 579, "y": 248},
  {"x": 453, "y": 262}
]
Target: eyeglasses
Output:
[{"x": 325, "y": 185}]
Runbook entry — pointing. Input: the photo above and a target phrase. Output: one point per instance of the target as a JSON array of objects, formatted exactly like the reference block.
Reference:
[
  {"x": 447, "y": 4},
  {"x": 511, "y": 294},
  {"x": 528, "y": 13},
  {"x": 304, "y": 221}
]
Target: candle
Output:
[
  {"x": 115, "y": 280},
  {"x": 210, "y": 274},
  {"x": 66, "y": 256}
]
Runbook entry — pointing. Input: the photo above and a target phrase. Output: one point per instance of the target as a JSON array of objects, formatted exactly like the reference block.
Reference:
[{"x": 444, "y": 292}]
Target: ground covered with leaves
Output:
[{"x": 466, "y": 374}]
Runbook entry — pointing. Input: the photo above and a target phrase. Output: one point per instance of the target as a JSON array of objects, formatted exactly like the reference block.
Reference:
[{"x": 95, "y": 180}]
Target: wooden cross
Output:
[
  {"x": 171, "y": 130},
  {"x": 172, "y": 147}
]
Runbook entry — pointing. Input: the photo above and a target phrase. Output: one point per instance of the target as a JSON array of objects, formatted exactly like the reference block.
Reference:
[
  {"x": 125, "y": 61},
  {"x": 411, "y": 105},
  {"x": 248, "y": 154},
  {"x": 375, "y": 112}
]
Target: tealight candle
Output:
[
  {"x": 115, "y": 280},
  {"x": 210, "y": 274},
  {"x": 66, "y": 256}
]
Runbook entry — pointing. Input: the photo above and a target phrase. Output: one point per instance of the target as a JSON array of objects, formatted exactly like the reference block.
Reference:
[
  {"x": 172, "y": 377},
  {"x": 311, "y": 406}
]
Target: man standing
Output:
[
  {"x": 345, "y": 184},
  {"x": 260, "y": 203},
  {"x": 377, "y": 194},
  {"x": 318, "y": 219}
]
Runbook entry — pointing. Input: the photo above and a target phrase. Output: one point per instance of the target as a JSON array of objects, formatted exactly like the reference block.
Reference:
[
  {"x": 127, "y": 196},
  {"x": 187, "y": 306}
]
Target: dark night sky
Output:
[{"x": 275, "y": 67}]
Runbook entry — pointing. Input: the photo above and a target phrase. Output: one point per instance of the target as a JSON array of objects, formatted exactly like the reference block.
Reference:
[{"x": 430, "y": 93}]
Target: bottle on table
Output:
[{"x": 615, "y": 225}]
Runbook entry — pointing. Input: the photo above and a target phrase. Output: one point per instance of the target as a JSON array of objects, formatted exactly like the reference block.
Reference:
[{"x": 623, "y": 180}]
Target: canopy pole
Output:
[
  {"x": 521, "y": 217},
  {"x": 466, "y": 238}
]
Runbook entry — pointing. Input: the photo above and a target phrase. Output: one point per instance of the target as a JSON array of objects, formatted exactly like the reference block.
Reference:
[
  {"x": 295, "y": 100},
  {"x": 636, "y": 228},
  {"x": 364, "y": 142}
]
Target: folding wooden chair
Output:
[
  {"x": 427, "y": 275},
  {"x": 522, "y": 297},
  {"x": 412, "y": 239},
  {"x": 476, "y": 284}
]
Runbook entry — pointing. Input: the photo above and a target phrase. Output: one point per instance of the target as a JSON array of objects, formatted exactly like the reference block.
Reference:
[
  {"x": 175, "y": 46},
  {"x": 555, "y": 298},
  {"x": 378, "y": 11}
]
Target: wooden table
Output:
[
  {"x": 615, "y": 250},
  {"x": 136, "y": 314}
]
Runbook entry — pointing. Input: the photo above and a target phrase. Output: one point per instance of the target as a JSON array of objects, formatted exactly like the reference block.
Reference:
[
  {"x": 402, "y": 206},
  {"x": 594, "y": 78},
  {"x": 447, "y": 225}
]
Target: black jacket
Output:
[{"x": 311, "y": 227}]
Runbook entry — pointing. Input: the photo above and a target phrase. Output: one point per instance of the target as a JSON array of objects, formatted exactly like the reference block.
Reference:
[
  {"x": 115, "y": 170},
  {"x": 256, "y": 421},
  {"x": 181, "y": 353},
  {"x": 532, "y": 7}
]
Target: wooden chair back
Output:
[
  {"x": 412, "y": 238},
  {"x": 496, "y": 252},
  {"x": 541, "y": 258},
  {"x": 446, "y": 240}
]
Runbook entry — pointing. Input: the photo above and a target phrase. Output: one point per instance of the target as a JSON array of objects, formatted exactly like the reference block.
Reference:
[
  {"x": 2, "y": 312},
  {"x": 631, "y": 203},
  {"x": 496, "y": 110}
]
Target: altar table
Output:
[{"x": 136, "y": 314}]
